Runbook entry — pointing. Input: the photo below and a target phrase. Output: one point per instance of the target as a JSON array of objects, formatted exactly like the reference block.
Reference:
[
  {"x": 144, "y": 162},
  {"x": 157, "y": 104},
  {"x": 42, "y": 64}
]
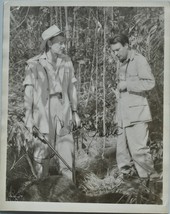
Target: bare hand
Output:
[
  {"x": 122, "y": 86},
  {"x": 76, "y": 120}
]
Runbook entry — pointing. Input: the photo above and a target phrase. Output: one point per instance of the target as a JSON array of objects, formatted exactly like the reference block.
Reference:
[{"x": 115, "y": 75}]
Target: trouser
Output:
[
  {"x": 42, "y": 155},
  {"x": 62, "y": 143},
  {"x": 133, "y": 150}
]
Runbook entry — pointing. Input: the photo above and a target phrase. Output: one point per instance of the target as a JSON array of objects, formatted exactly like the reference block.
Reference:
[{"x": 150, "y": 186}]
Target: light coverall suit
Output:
[
  {"x": 133, "y": 114},
  {"x": 49, "y": 103}
]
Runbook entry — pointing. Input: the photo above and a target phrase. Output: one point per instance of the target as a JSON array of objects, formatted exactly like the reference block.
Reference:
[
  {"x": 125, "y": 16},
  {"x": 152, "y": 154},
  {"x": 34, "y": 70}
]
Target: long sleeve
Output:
[
  {"x": 72, "y": 89},
  {"x": 145, "y": 80},
  {"x": 28, "y": 97}
]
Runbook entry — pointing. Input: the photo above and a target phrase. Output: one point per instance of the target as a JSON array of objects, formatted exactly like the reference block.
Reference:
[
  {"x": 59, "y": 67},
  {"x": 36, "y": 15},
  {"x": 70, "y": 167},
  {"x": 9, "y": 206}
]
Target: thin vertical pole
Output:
[{"x": 104, "y": 89}]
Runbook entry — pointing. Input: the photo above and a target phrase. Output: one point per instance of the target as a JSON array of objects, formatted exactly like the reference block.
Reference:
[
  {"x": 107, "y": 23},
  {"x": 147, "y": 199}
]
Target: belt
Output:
[
  {"x": 57, "y": 94},
  {"x": 124, "y": 91},
  {"x": 143, "y": 93}
]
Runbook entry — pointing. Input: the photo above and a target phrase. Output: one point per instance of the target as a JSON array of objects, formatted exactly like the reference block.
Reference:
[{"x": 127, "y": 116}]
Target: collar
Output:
[
  {"x": 44, "y": 56},
  {"x": 131, "y": 55},
  {"x": 44, "y": 59}
]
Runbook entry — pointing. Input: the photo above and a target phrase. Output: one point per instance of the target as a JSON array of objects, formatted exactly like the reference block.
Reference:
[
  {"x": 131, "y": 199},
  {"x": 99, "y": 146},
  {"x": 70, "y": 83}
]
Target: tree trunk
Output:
[
  {"x": 79, "y": 82},
  {"x": 104, "y": 73},
  {"x": 88, "y": 33},
  {"x": 51, "y": 16},
  {"x": 96, "y": 72},
  {"x": 61, "y": 27},
  {"x": 112, "y": 16},
  {"x": 74, "y": 26},
  {"x": 91, "y": 76},
  {"x": 56, "y": 15},
  {"x": 77, "y": 34},
  {"x": 67, "y": 31}
]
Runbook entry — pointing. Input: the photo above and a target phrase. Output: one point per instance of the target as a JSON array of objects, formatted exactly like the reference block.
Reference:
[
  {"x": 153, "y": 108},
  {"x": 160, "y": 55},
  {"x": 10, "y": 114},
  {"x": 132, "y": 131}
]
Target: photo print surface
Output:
[{"x": 85, "y": 106}]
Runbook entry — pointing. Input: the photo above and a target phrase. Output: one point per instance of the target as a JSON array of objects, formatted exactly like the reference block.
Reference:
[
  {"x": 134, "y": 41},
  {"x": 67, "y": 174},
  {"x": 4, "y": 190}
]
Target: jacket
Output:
[{"x": 133, "y": 105}]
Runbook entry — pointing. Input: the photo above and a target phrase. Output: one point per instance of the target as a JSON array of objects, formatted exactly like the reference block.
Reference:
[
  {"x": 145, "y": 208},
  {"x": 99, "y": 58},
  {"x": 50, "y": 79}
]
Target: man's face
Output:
[
  {"x": 57, "y": 47},
  {"x": 120, "y": 51}
]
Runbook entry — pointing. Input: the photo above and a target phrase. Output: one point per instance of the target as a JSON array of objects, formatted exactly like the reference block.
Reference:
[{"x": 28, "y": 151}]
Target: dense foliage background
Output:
[{"x": 87, "y": 30}]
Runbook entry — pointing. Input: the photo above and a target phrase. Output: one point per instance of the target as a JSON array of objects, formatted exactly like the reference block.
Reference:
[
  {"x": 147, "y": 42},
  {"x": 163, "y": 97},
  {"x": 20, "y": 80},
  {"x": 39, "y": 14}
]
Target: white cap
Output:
[{"x": 50, "y": 32}]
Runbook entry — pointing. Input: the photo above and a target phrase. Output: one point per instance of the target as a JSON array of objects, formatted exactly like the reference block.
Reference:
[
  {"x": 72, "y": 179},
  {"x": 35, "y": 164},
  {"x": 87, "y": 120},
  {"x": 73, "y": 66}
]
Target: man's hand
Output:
[
  {"x": 122, "y": 86},
  {"x": 76, "y": 120},
  {"x": 30, "y": 133}
]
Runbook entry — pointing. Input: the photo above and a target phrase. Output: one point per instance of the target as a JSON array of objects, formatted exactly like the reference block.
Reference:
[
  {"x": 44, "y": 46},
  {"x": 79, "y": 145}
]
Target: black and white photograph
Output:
[{"x": 83, "y": 107}]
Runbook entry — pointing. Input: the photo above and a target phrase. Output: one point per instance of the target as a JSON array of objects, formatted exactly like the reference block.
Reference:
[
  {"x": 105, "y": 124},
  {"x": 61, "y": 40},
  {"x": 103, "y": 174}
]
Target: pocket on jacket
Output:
[
  {"x": 136, "y": 100},
  {"x": 133, "y": 77},
  {"x": 139, "y": 113}
]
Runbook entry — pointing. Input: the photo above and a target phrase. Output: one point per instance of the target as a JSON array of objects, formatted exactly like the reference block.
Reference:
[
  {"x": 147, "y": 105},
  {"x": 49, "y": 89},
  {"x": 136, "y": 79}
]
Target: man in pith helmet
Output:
[{"x": 51, "y": 102}]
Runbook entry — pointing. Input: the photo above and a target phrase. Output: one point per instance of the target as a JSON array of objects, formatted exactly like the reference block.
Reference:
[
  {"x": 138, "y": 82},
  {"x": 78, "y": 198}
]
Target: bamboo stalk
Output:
[
  {"x": 74, "y": 26},
  {"x": 97, "y": 74},
  {"x": 104, "y": 88},
  {"x": 66, "y": 27},
  {"x": 51, "y": 16},
  {"x": 56, "y": 15},
  {"x": 16, "y": 162},
  {"x": 61, "y": 27}
]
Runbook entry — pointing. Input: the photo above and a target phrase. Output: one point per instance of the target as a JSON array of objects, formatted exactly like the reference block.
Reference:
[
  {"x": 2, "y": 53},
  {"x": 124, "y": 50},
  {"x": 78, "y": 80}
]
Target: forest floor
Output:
[
  {"x": 97, "y": 163},
  {"x": 97, "y": 174}
]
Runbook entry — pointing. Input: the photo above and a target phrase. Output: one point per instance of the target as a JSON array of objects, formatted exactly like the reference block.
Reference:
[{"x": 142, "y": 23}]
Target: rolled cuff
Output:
[
  {"x": 74, "y": 80},
  {"x": 27, "y": 81}
]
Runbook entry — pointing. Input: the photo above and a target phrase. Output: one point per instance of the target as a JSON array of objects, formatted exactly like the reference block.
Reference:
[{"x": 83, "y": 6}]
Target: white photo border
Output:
[{"x": 83, "y": 207}]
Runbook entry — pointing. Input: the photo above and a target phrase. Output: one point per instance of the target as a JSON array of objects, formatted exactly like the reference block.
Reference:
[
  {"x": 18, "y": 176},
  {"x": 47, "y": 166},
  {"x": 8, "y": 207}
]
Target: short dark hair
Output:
[{"x": 122, "y": 38}]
